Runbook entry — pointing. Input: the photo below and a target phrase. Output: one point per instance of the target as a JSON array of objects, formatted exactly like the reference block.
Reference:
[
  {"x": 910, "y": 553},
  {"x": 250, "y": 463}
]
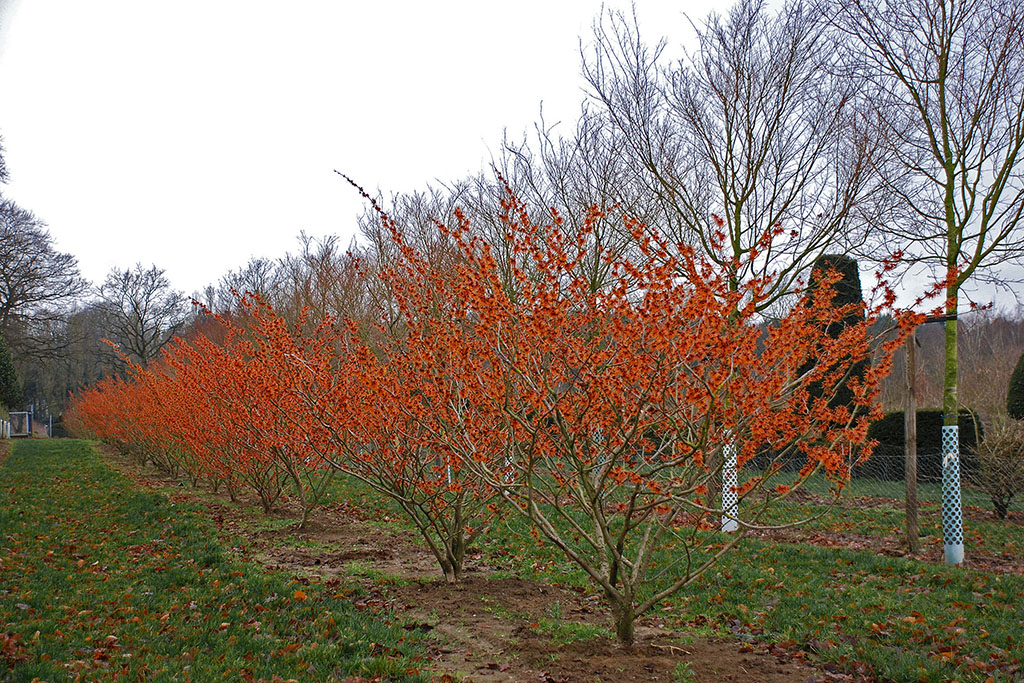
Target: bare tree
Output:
[
  {"x": 260, "y": 276},
  {"x": 1000, "y": 471},
  {"x": 142, "y": 311},
  {"x": 588, "y": 167},
  {"x": 4, "y": 177},
  {"x": 991, "y": 345},
  {"x": 38, "y": 284},
  {"x": 323, "y": 278},
  {"x": 948, "y": 80},
  {"x": 756, "y": 130}
]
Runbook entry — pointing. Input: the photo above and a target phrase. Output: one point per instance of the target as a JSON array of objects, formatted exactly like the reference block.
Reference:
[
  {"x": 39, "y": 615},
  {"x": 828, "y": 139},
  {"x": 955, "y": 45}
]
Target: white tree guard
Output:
[
  {"x": 952, "y": 511},
  {"x": 730, "y": 501}
]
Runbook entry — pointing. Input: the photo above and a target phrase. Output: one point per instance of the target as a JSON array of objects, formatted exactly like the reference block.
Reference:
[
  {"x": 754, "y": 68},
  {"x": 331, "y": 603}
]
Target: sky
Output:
[{"x": 194, "y": 135}]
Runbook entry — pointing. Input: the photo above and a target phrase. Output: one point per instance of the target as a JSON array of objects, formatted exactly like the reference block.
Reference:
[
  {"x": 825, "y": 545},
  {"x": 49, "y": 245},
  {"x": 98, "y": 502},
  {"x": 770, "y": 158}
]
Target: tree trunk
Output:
[
  {"x": 950, "y": 404},
  {"x": 624, "y": 619},
  {"x": 952, "y": 513},
  {"x": 451, "y": 572}
]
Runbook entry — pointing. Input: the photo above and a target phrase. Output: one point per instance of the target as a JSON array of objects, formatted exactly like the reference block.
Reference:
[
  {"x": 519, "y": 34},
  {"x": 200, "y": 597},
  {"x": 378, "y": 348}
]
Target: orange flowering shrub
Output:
[
  {"x": 601, "y": 412},
  {"x": 214, "y": 410},
  {"x": 402, "y": 415}
]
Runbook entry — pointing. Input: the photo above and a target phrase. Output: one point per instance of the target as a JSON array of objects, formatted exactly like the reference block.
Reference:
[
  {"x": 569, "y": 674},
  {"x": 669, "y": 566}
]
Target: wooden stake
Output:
[{"x": 910, "y": 444}]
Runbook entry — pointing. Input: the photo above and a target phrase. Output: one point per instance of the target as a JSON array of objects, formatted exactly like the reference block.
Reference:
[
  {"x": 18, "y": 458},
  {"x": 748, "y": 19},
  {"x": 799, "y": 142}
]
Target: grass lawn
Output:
[
  {"x": 896, "y": 618},
  {"x": 101, "y": 581},
  {"x": 889, "y": 617},
  {"x": 867, "y": 487}
]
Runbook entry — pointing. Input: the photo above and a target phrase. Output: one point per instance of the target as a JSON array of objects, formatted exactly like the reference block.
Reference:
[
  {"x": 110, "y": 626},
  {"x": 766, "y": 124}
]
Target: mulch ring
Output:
[{"x": 503, "y": 629}]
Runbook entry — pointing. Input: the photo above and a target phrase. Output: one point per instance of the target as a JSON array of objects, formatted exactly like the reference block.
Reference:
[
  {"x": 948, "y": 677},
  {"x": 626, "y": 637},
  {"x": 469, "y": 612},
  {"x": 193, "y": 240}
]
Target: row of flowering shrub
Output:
[{"x": 601, "y": 411}]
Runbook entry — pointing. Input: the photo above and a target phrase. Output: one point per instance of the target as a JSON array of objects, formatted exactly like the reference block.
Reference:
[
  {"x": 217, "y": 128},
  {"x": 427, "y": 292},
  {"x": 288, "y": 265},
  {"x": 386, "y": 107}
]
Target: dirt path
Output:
[{"x": 491, "y": 626}]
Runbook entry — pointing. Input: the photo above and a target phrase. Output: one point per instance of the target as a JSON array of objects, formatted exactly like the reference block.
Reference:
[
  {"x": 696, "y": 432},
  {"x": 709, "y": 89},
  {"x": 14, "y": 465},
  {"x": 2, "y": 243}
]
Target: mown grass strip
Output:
[
  {"x": 895, "y": 618},
  {"x": 891, "y": 617},
  {"x": 101, "y": 581}
]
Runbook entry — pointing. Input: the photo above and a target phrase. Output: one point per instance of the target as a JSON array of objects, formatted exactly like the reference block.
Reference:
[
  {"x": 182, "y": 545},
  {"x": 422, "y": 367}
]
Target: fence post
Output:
[
  {"x": 952, "y": 513},
  {"x": 730, "y": 501},
  {"x": 910, "y": 444}
]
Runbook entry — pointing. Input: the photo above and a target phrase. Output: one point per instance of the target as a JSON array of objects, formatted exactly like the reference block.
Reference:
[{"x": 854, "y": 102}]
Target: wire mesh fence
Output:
[{"x": 870, "y": 511}]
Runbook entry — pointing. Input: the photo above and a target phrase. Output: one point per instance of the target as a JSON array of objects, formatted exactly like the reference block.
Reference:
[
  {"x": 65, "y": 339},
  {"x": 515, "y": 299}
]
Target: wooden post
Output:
[{"x": 910, "y": 444}]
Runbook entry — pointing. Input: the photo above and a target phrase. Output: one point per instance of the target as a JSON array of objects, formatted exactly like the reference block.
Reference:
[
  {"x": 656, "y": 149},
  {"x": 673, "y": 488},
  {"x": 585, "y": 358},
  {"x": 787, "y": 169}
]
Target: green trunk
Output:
[
  {"x": 950, "y": 407},
  {"x": 952, "y": 512}
]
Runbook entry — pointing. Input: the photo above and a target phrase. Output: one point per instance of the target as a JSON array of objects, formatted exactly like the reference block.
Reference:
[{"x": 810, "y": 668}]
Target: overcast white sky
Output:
[{"x": 196, "y": 134}]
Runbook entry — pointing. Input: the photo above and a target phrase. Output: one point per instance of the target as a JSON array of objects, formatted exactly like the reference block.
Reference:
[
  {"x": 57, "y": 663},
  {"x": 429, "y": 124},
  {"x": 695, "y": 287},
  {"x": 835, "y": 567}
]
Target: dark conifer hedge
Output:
[
  {"x": 1015, "y": 393},
  {"x": 10, "y": 388},
  {"x": 888, "y": 460}
]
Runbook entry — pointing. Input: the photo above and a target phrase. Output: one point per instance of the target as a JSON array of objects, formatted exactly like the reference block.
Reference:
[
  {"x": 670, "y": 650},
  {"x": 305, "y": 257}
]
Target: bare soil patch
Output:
[
  {"x": 498, "y": 629},
  {"x": 490, "y": 626}
]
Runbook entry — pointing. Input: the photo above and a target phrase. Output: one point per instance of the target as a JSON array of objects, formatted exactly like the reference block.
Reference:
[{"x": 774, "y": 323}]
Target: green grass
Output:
[
  {"x": 565, "y": 632},
  {"x": 893, "y": 618},
  {"x": 380, "y": 578},
  {"x": 102, "y": 581},
  {"x": 905, "y": 620},
  {"x": 897, "y": 618},
  {"x": 901, "y": 619}
]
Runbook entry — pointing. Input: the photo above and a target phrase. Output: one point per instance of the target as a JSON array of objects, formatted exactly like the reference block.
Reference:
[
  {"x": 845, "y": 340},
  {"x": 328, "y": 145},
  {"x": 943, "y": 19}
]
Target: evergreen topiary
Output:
[
  {"x": 1015, "y": 393},
  {"x": 10, "y": 388},
  {"x": 846, "y": 292}
]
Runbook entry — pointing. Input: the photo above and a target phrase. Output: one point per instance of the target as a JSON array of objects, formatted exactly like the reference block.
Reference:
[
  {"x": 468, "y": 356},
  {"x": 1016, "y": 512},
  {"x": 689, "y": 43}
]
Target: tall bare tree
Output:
[
  {"x": 260, "y": 276},
  {"x": 38, "y": 284},
  {"x": 3, "y": 164},
  {"x": 324, "y": 278},
  {"x": 947, "y": 77},
  {"x": 141, "y": 311},
  {"x": 755, "y": 129}
]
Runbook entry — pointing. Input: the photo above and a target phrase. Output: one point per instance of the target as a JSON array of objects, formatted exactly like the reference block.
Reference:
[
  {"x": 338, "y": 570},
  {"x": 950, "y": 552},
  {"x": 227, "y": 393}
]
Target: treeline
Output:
[
  {"x": 802, "y": 120},
  {"x": 991, "y": 342}
]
